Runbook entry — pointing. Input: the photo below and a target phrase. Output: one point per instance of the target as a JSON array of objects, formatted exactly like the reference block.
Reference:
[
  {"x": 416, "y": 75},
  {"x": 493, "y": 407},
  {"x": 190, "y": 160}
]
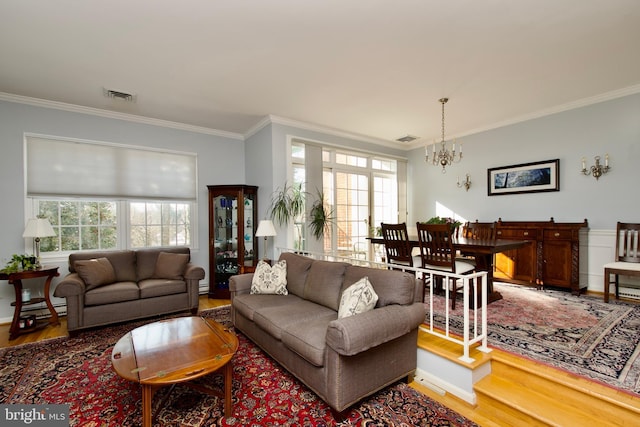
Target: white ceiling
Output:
[{"x": 369, "y": 67}]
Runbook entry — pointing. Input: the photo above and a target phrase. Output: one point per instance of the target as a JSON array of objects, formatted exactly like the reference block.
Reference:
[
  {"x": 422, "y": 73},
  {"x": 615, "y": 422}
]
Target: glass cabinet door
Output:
[{"x": 232, "y": 227}]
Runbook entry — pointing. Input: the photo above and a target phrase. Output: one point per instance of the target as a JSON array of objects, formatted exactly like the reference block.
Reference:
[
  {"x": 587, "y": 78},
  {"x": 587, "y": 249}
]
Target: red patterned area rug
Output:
[
  {"x": 579, "y": 334},
  {"x": 77, "y": 371}
]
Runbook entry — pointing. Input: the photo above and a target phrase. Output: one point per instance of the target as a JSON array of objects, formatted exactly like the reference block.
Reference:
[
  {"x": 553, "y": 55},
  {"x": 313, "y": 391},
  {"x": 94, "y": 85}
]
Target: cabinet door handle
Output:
[
  {"x": 500, "y": 233},
  {"x": 557, "y": 234},
  {"x": 526, "y": 233}
]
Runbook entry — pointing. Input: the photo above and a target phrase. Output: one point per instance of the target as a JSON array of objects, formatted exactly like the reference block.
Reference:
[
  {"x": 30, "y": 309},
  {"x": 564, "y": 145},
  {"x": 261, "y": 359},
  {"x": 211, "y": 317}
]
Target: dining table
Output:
[{"x": 483, "y": 250}]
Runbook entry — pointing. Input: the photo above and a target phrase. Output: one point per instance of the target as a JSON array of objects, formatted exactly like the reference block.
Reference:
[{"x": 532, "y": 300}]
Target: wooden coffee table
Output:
[{"x": 175, "y": 351}]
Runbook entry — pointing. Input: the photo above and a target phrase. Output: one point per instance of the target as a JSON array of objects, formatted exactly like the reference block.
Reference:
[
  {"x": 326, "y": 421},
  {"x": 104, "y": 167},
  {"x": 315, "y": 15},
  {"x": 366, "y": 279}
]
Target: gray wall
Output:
[{"x": 608, "y": 127}]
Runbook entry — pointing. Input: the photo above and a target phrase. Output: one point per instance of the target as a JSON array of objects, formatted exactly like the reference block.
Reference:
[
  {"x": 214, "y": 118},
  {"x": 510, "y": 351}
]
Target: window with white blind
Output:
[{"x": 110, "y": 196}]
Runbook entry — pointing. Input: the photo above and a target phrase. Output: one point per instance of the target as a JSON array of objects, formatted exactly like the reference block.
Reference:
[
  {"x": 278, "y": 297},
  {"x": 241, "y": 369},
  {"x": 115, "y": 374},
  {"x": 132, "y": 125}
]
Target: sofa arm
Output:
[
  {"x": 70, "y": 285},
  {"x": 193, "y": 272},
  {"x": 354, "y": 334},
  {"x": 240, "y": 284}
]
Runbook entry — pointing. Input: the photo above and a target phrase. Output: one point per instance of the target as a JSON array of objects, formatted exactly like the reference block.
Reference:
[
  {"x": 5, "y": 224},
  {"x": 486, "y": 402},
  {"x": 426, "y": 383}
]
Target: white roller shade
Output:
[{"x": 82, "y": 169}]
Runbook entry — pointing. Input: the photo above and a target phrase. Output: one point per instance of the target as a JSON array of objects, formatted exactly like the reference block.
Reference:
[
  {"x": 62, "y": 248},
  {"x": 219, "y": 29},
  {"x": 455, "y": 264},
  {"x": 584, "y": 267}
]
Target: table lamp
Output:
[
  {"x": 37, "y": 228},
  {"x": 265, "y": 229}
]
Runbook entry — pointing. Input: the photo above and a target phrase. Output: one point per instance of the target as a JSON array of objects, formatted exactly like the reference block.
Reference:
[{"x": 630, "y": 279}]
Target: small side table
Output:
[{"x": 16, "y": 279}]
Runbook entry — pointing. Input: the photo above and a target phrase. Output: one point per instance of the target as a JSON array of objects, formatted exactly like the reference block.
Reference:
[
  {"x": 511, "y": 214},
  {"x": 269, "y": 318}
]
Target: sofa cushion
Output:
[
  {"x": 308, "y": 338},
  {"x": 150, "y": 288},
  {"x": 146, "y": 259},
  {"x": 274, "y": 320},
  {"x": 109, "y": 294},
  {"x": 324, "y": 283},
  {"x": 357, "y": 298},
  {"x": 270, "y": 280},
  {"x": 392, "y": 287},
  {"x": 297, "y": 270},
  {"x": 170, "y": 266},
  {"x": 123, "y": 262},
  {"x": 95, "y": 272},
  {"x": 247, "y": 304}
]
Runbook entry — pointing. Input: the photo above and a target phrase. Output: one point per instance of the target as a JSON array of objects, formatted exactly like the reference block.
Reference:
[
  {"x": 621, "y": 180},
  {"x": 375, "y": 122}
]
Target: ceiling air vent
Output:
[
  {"x": 116, "y": 94},
  {"x": 407, "y": 138}
]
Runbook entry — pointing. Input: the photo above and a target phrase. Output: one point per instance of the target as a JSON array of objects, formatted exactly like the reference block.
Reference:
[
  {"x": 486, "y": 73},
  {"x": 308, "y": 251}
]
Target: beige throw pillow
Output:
[
  {"x": 270, "y": 280},
  {"x": 95, "y": 272},
  {"x": 357, "y": 298},
  {"x": 170, "y": 266}
]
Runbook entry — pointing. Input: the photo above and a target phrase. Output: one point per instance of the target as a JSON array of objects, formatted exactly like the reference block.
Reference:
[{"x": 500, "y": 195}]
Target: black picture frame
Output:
[{"x": 534, "y": 177}]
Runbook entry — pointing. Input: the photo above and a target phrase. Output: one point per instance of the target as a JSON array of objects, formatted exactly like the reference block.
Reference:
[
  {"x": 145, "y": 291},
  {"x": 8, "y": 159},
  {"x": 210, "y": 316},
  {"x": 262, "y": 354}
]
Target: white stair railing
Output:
[{"x": 474, "y": 328}]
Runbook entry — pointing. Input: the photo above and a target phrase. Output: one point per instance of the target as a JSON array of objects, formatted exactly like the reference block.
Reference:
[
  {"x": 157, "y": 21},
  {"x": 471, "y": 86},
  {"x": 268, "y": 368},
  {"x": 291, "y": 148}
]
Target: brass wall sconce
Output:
[
  {"x": 466, "y": 183},
  {"x": 597, "y": 170}
]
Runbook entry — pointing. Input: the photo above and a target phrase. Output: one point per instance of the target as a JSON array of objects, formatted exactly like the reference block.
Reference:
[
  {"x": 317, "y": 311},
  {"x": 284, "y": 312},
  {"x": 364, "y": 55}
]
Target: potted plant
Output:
[
  {"x": 20, "y": 263},
  {"x": 287, "y": 204},
  {"x": 320, "y": 216},
  {"x": 453, "y": 223}
]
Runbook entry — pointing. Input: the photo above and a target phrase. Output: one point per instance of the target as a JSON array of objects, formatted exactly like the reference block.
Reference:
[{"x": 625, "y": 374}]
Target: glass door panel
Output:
[{"x": 351, "y": 211}]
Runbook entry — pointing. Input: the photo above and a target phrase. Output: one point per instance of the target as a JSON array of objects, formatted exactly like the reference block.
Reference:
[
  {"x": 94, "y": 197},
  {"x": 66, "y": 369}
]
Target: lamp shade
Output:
[
  {"x": 38, "y": 227},
  {"x": 265, "y": 228}
]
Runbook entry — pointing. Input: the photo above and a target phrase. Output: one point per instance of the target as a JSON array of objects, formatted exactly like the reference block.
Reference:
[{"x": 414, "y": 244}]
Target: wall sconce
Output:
[
  {"x": 596, "y": 170},
  {"x": 466, "y": 183}
]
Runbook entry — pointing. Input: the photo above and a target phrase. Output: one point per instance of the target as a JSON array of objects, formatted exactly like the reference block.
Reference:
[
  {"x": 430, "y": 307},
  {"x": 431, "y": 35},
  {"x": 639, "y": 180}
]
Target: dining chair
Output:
[
  {"x": 627, "y": 258},
  {"x": 477, "y": 231},
  {"x": 437, "y": 253},
  {"x": 396, "y": 244}
]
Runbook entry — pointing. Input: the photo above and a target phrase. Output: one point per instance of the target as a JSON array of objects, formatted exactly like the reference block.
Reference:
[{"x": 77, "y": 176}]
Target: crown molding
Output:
[
  {"x": 584, "y": 102},
  {"x": 45, "y": 103},
  {"x": 331, "y": 131}
]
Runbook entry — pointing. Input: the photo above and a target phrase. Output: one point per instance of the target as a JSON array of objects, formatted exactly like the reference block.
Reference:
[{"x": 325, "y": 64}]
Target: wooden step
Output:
[{"x": 526, "y": 391}]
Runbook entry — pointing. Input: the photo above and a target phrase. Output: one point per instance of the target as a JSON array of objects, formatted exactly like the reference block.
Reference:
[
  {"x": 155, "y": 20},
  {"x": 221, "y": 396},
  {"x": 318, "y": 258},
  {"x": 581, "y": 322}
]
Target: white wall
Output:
[
  {"x": 220, "y": 161},
  {"x": 608, "y": 127}
]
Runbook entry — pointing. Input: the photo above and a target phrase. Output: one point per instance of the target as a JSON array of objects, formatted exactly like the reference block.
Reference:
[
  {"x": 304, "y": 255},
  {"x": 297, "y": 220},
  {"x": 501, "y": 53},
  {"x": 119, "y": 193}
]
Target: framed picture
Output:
[{"x": 525, "y": 178}]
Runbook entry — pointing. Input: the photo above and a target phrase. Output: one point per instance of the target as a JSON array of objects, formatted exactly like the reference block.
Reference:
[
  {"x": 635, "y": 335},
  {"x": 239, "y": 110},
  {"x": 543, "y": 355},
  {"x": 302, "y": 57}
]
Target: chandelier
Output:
[{"x": 443, "y": 157}]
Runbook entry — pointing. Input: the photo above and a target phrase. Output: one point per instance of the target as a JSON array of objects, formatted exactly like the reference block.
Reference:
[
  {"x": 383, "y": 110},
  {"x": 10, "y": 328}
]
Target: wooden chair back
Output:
[
  {"x": 396, "y": 243},
  {"x": 480, "y": 230},
  {"x": 436, "y": 246},
  {"x": 627, "y": 235}
]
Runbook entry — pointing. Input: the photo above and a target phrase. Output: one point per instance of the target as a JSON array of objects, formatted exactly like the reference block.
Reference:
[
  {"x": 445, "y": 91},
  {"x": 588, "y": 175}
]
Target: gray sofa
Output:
[
  {"x": 341, "y": 360},
  {"x": 130, "y": 285}
]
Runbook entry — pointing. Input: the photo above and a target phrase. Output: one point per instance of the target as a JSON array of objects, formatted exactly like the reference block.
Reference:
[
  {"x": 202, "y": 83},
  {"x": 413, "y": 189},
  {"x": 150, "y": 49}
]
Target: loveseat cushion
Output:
[
  {"x": 146, "y": 260},
  {"x": 95, "y": 272},
  {"x": 123, "y": 262},
  {"x": 247, "y": 304},
  {"x": 308, "y": 338},
  {"x": 275, "y": 320},
  {"x": 392, "y": 287},
  {"x": 150, "y": 288},
  {"x": 170, "y": 266},
  {"x": 109, "y": 294},
  {"x": 297, "y": 270},
  {"x": 324, "y": 283}
]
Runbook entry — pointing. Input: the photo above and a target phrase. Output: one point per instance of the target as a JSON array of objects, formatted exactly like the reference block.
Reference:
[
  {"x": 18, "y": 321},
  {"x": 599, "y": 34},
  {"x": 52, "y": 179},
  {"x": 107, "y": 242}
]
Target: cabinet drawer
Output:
[
  {"x": 515, "y": 233},
  {"x": 558, "y": 235}
]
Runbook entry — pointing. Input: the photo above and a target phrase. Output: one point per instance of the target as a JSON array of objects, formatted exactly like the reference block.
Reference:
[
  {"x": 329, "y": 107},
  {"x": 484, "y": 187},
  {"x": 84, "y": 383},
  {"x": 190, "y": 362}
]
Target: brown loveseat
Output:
[
  {"x": 341, "y": 360},
  {"x": 128, "y": 285}
]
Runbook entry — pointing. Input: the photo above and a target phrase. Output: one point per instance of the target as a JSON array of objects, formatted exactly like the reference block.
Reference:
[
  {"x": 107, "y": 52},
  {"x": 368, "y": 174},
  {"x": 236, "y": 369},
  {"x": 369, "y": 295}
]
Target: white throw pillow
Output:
[
  {"x": 270, "y": 280},
  {"x": 357, "y": 298}
]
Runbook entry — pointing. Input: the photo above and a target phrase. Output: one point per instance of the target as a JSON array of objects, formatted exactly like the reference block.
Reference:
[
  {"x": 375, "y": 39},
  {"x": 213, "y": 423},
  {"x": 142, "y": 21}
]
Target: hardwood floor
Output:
[{"x": 61, "y": 330}]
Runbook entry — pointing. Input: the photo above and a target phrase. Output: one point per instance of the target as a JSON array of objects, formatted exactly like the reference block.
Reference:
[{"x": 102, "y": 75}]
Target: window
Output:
[
  {"x": 101, "y": 196},
  {"x": 79, "y": 225},
  {"x": 360, "y": 190}
]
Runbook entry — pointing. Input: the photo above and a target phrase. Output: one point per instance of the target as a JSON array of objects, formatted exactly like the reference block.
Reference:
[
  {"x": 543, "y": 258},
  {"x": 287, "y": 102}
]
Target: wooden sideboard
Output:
[{"x": 551, "y": 259}]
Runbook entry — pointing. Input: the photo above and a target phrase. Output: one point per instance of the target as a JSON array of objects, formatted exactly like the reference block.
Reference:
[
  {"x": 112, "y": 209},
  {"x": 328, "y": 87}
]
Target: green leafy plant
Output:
[
  {"x": 321, "y": 218},
  {"x": 287, "y": 204},
  {"x": 20, "y": 262},
  {"x": 454, "y": 224}
]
